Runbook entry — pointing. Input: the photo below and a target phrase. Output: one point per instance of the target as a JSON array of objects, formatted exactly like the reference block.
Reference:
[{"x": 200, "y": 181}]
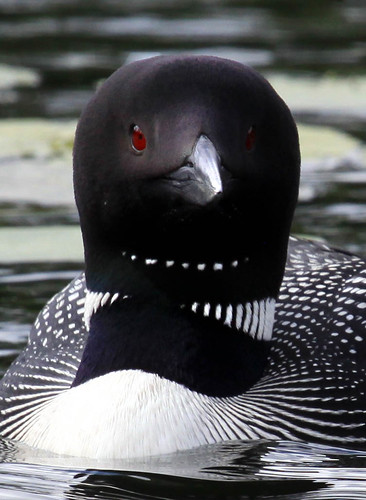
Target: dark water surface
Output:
[
  {"x": 232, "y": 470},
  {"x": 53, "y": 53}
]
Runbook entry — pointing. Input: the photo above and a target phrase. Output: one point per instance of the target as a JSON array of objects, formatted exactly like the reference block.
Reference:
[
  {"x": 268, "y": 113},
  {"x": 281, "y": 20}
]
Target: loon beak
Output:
[{"x": 199, "y": 178}]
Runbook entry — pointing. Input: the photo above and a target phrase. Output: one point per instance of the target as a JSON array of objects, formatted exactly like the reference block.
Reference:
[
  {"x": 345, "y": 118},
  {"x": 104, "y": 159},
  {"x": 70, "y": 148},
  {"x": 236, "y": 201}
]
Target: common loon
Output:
[{"x": 189, "y": 326}]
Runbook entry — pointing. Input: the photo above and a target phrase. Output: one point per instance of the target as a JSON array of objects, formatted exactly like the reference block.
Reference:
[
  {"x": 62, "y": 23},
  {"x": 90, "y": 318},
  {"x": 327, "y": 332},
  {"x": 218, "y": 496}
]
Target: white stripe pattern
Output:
[
  {"x": 254, "y": 318},
  {"x": 258, "y": 315},
  {"x": 96, "y": 300},
  {"x": 229, "y": 315},
  {"x": 185, "y": 418}
]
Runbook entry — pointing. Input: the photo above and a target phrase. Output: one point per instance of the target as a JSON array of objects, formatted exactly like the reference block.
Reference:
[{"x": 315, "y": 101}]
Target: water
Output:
[
  {"x": 233, "y": 470},
  {"x": 53, "y": 54}
]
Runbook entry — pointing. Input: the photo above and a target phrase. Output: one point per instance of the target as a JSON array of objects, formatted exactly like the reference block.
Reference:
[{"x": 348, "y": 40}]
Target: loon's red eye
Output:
[
  {"x": 138, "y": 140},
  {"x": 250, "y": 139}
]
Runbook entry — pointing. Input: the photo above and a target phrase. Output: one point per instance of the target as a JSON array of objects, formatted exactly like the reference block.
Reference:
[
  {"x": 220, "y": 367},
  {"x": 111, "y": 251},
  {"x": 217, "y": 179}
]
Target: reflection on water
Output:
[
  {"x": 53, "y": 53},
  {"x": 232, "y": 470}
]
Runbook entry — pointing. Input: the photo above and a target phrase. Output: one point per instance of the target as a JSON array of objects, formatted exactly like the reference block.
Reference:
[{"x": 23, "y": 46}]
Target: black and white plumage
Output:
[{"x": 186, "y": 176}]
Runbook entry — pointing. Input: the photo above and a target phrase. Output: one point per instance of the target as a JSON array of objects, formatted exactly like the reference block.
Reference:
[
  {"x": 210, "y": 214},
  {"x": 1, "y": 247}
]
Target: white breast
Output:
[{"x": 125, "y": 414}]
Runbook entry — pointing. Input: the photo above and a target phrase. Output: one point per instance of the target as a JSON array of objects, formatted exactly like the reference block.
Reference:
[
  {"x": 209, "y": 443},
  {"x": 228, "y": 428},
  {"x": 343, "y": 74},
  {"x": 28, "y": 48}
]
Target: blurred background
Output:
[{"x": 54, "y": 53}]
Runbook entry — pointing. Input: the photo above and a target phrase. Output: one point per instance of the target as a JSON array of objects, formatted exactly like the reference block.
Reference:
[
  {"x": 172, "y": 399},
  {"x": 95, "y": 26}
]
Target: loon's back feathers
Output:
[
  {"x": 314, "y": 384},
  {"x": 188, "y": 326}
]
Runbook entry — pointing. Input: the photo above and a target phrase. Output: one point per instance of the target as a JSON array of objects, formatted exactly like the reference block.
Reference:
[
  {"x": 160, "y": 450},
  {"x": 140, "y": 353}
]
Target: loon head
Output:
[{"x": 189, "y": 160}]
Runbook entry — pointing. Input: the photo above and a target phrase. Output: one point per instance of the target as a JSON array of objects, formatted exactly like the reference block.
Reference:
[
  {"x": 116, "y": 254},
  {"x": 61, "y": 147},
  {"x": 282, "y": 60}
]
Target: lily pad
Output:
[
  {"x": 323, "y": 143},
  {"x": 12, "y": 77},
  {"x": 35, "y": 138},
  {"x": 41, "y": 244},
  {"x": 330, "y": 92}
]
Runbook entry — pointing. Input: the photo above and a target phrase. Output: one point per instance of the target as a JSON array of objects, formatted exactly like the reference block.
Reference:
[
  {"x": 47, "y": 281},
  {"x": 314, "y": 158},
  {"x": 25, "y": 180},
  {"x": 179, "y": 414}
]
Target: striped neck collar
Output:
[{"x": 253, "y": 318}]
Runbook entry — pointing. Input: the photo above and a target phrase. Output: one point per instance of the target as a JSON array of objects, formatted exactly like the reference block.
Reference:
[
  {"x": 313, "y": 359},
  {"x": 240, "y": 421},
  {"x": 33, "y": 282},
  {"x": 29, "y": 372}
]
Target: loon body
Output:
[{"x": 198, "y": 318}]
